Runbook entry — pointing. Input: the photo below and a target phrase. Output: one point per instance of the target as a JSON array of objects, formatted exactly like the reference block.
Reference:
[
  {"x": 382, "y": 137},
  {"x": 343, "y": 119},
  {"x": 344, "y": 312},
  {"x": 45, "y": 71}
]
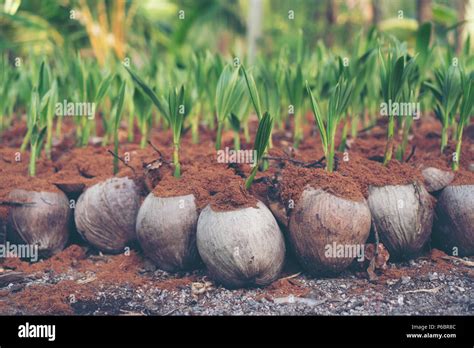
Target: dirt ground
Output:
[{"x": 79, "y": 281}]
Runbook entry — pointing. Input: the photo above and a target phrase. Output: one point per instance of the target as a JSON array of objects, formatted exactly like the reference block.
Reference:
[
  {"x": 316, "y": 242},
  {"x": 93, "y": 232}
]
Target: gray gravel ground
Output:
[{"x": 421, "y": 291}]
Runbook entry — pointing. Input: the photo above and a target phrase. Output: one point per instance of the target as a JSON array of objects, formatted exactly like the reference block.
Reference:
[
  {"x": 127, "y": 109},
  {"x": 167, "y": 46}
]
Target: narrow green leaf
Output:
[
  {"x": 319, "y": 118},
  {"x": 103, "y": 88}
]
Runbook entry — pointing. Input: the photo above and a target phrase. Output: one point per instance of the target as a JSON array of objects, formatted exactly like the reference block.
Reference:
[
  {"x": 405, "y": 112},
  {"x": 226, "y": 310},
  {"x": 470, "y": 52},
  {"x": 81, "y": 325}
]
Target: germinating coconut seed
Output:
[
  {"x": 403, "y": 217},
  {"x": 436, "y": 179},
  {"x": 328, "y": 232},
  {"x": 454, "y": 228},
  {"x": 106, "y": 214},
  {"x": 166, "y": 231},
  {"x": 43, "y": 221},
  {"x": 242, "y": 247}
]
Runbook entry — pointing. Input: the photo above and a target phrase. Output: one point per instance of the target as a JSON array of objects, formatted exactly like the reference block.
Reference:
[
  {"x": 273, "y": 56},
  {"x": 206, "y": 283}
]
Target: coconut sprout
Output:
[{"x": 327, "y": 127}]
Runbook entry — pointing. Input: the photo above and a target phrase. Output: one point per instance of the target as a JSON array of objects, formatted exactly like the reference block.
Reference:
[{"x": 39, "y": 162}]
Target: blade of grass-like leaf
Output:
[
  {"x": 263, "y": 135},
  {"x": 103, "y": 88},
  {"x": 423, "y": 38},
  {"x": 319, "y": 118},
  {"x": 252, "y": 88},
  {"x": 120, "y": 100},
  {"x": 118, "y": 116},
  {"x": 234, "y": 122},
  {"x": 148, "y": 91},
  {"x": 262, "y": 138}
]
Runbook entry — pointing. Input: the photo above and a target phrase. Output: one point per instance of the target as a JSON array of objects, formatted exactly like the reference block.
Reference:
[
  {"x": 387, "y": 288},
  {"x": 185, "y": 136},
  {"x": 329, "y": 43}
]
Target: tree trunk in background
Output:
[
  {"x": 376, "y": 12},
  {"x": 461, "y": 7},
  {"x": 424, "y": 11},
  {"x": 331, "y": 18},
  {"x": 254, "y": 27}
]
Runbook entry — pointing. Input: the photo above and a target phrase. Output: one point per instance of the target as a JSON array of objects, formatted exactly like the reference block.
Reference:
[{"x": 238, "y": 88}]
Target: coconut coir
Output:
[{"x": 210, "y": 183}]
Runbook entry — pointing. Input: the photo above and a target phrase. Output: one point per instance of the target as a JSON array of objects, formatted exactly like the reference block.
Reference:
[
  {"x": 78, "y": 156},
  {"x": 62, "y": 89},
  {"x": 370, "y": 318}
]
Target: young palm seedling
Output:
[
  {"x": 456, "y": 202},
  {"x": 395, "y": 70},
  {"x": 229, "y": 94},
  {"x": 358, "y": 72},
  {"x": 44, "y": 218},
  {"x": 262, "y": 138},
  {"x": 447, "y": 92},
  {"x": 295, "y": 88},
  {"x": 7, "y": 88},
  {"x": 166, "y": 226},
  {"x": 402, "y": 214},
  {"x": 36, "y": 132},
  {"x": 320, "y": 216},
  {"x": 237, "y": 118},
  {"x": 265, "y": 126},
  {"x": 250, "y": 256},
  {"x": 465, "y": 113},
  {"x": 119, "y": 197},
  {"x": 144, "y": 116},
  {"x": 202, "y": 71},
  {"x": 41, "y": 89},
  {"x": 174, "y": 110},
  {"x": 415, "y": 82},
  {"x": 338, "y": 103}
]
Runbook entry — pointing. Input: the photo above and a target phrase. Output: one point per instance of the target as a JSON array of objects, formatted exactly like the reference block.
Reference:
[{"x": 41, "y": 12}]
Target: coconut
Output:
[
  {"x": 166, "y": 230},
  {"x": 327, "y": 232},
  {"x": 436, "y": 179},
  {"x": 106, "y": 214},
  {"x": 43, "y": 220},
  {"x": 278, "y": 210},
  {"x": 241, "y": 247},
  {"x": 402, "y": 216},
  {"x": 454, "y": 228}
]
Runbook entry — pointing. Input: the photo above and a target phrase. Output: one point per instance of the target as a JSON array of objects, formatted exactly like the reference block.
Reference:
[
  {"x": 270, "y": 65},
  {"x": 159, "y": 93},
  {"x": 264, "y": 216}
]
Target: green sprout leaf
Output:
[
  {"x": 262, "y": 138},
  {"x": 116, "y": 123}
]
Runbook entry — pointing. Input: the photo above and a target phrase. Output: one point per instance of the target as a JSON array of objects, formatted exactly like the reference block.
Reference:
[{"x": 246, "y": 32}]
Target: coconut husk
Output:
[
  {"x": 403, "y": 216},
  {"x": 106, "y": 214},
  {"x": 40, "y": 218},
  {"x": 166, "y": 231},
  {"x": 436, "y": 179},
  {"x": 243, "y": 247},
  {"x": 319, "y": 222},
  {"x": 454, "y": 227}
]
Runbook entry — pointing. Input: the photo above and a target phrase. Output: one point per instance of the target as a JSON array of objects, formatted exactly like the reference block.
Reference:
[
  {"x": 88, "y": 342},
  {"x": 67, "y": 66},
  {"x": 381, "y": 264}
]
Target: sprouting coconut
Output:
[
  {"x": 454, "y": 228},
  {"x": 436, "y": 179},
  {"x": 241, "y": 247},
  {"x": 403, "y": 216},
  {"x": 166, "y": 230},
  {"x": 106, "y": 214},
  {"x": 328, "y": 232},
  {"x": 39, "y": 219}
]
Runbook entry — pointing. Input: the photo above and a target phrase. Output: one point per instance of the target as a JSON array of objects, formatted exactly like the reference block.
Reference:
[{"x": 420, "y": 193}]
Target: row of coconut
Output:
[{"x": 246, "y": 246}]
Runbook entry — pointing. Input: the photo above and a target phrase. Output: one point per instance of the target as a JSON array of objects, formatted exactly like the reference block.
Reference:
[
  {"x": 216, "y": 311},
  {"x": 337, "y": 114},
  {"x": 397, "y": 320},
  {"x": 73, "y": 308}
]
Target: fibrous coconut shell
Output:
[
  {"x": 403, "y": 217},
  {"x": 106, "y": 214},
  {"x": 321, "y": 224},
  {"x": 242, "y": 247},
  {"x": 43, "y": 220},
  {"x": 454, "y": 227},
  {"x": 166, "y": 230}
]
